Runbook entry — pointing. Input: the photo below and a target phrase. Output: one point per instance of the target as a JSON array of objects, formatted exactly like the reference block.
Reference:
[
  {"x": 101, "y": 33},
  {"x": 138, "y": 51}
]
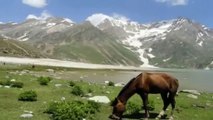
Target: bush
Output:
[
  {"x": 72, "y": 83},
  {"x": 132, "y": 108},
  {"x": 44, "y": 80},
  {"x": 12, "y": 83},
  {"x": 76, "y": 90},
  {"x": 17, "y": 84},
  {"x": 5, "y": 83},
  {"x": 89, "y": 90},
  {"x": 28, "y": 96},
  {"x": 75, "y": 110},
  {"x": 111, "y": 83}
]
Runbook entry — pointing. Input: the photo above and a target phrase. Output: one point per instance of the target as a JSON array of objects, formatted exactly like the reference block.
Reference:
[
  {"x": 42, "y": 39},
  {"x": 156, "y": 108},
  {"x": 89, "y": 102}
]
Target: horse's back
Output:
[{"x": 160, "y": 82}]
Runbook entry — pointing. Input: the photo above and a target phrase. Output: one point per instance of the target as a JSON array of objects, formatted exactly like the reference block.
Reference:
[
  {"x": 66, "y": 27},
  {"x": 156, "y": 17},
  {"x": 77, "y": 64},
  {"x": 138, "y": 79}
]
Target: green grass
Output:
[
  {"x": 105, "y": 53},
  {"x": 11, "y": 108}
]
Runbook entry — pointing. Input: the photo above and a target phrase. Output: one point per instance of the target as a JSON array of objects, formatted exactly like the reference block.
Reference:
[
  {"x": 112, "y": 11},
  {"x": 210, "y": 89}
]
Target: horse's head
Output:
[{"x": 118, "y": 109}]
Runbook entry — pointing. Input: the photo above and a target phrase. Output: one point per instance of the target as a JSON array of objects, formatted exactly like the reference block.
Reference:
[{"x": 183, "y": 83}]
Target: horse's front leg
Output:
[{"x": 144, "y": 97}]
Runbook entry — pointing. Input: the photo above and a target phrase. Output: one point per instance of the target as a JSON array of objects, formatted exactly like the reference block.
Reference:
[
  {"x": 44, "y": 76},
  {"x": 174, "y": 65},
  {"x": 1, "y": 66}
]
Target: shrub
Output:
[
  {"x": 28, "y": 96},
  {"x": 111, "y": 83},
  {"x": 5, "y": 83},
  {"x": 132, "y": 108},
  {"x": 72, "y": 83},
  {"x": 12, "y": 83},
  {"x": 89, "y": 90},
  {"x": 76, "y": 90},
  {"x": 75, "y": 110},
  {"x": 16, "y": 84},
  {"x": 44, "y": 80}
]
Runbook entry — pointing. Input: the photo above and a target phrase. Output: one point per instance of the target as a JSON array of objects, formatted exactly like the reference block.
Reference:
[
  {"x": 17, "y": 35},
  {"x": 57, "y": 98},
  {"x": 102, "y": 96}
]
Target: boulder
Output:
[
  {"x": 7, "y": 86},
  {"x": 120, "y": 84},
  {"x": 100, "y": 99},
  {"x": 26, "y": 111},
  {"x": 58, "y": 85},
  {"x": 13, "y": 80},
  {"x": 63, "y": 98},
  {"x": 195, "y": 92},
  {"x": 26, "y": 115},
  {"x": 192, "y": 96},
  {"x": 106, "y": 82},
  {"x": 50, "y": 70}
]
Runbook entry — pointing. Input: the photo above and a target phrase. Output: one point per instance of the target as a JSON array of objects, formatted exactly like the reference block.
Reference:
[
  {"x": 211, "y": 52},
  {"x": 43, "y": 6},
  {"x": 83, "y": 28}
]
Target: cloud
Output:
[
  {"x": 44, "y": 15},
  {"x": 174, "y": 2},
  {"x": 35, "y": 3}
]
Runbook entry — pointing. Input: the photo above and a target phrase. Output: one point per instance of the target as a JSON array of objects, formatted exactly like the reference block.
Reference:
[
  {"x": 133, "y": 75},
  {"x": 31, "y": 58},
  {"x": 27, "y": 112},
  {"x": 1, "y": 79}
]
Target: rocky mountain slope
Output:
[
  {"x": 179, "y": 43},
  {"x": 15, "y": 48}
]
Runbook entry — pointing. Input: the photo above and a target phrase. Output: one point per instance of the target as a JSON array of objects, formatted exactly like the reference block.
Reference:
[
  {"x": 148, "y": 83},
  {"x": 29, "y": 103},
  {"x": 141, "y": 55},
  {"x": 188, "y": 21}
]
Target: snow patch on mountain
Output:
[
  {"x": 67, "y": 20},
  {"x": 144, "y": 59},
  {"x": 44, "y": 15},
  {"x": 23, "y": 37},
  {"x": 98, "y": 18},
  {"x": 200, "y": 39},
  {"x": 116, "y": 20},
  {"x": 200, "y": 43},
  {"x": 165, "y": 60},
  {"x": 145, "y": 34},
  {"x": 5, "y": 37},
  {"x": 51, "y": 24}
]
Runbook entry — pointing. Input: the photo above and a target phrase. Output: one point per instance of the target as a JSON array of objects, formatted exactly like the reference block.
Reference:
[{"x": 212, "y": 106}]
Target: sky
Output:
[{"x": 142, "y": 11}]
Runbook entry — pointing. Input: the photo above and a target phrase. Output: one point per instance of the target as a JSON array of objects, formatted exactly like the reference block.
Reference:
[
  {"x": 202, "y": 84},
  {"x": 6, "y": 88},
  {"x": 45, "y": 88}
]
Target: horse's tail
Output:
[
  {"x": 174, "y": 86},
  {"x": 177, "y": 86}
]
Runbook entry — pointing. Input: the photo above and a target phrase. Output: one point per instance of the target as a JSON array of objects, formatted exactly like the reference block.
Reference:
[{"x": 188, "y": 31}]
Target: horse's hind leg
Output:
[
  {"x": 172, "y": 100},
  {"x": 165, "y": 105}
]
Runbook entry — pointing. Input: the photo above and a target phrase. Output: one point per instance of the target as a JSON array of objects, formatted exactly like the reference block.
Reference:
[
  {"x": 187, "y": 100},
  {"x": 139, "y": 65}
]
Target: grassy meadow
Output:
[{"x": 11, "y": 109}]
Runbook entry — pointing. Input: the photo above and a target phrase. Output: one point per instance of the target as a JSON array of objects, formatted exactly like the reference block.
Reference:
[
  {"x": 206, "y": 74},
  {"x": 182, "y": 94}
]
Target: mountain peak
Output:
[
  {"x": 98, "y": 18},
  {"x": 67, "y": 20}
]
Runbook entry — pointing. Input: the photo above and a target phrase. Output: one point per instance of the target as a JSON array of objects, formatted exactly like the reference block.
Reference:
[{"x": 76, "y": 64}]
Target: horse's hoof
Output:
[
  {"x": 171, "y": 118},
  {"x": 113, "y": 117},
  {"x": 157, "y": 118},
  {"x": 145, "y": 118}
]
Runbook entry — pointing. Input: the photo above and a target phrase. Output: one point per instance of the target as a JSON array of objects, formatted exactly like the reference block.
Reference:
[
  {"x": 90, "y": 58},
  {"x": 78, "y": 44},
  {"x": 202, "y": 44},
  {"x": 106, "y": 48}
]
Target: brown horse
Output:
[{"x": 144, "y": 84}]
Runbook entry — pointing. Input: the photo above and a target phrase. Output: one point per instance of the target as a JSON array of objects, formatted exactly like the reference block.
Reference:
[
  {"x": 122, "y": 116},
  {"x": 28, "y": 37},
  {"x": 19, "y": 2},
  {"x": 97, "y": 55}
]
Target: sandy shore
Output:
[{"x": 69, "y": 64}]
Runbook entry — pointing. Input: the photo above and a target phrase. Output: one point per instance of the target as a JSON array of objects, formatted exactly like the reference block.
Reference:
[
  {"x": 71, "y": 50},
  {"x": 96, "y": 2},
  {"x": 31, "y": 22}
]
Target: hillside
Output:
[{"x": 17, "y": 49}]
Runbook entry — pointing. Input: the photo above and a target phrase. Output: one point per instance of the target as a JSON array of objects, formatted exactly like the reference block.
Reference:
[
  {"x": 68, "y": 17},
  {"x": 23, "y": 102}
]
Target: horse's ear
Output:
[{"x": 114, "y": 102}]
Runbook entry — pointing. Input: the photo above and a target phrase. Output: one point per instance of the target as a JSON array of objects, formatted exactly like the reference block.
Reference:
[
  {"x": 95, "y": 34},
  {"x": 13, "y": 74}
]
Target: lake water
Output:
[{"x": 201, "y": 80}]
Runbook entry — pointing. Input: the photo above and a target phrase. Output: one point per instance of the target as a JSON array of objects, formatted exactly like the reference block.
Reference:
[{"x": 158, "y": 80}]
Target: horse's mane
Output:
[{"x": 127, "y": 85}]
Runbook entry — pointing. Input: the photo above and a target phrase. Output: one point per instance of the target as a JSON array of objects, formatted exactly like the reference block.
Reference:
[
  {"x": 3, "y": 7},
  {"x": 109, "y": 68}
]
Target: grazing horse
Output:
[{"x": 144, "y": 84}]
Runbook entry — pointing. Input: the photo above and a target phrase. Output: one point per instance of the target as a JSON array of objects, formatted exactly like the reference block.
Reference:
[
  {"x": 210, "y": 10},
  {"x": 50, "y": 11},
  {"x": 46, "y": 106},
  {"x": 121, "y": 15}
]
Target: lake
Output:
[{"x": 201, "y": 80}]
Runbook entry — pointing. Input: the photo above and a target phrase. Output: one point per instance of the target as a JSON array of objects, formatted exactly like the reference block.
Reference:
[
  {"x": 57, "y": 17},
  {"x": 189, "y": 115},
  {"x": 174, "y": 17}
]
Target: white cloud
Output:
[
  {"x": 35, "y": 3},
  {"x": 44, "y": 15},
  {"x": 174, "y": 2}
]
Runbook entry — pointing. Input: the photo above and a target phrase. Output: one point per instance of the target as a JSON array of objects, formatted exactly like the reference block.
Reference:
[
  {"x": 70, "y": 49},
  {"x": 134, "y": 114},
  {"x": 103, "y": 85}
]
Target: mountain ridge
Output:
[{"x": 179, "y": 43}]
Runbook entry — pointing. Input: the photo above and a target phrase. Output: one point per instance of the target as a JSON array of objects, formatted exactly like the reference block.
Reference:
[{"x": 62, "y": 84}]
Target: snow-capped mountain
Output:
[
  {"x": 177, "y": 43},
  {"x": 151, "y": 40},
  {"x": 34, "y": 26}
]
